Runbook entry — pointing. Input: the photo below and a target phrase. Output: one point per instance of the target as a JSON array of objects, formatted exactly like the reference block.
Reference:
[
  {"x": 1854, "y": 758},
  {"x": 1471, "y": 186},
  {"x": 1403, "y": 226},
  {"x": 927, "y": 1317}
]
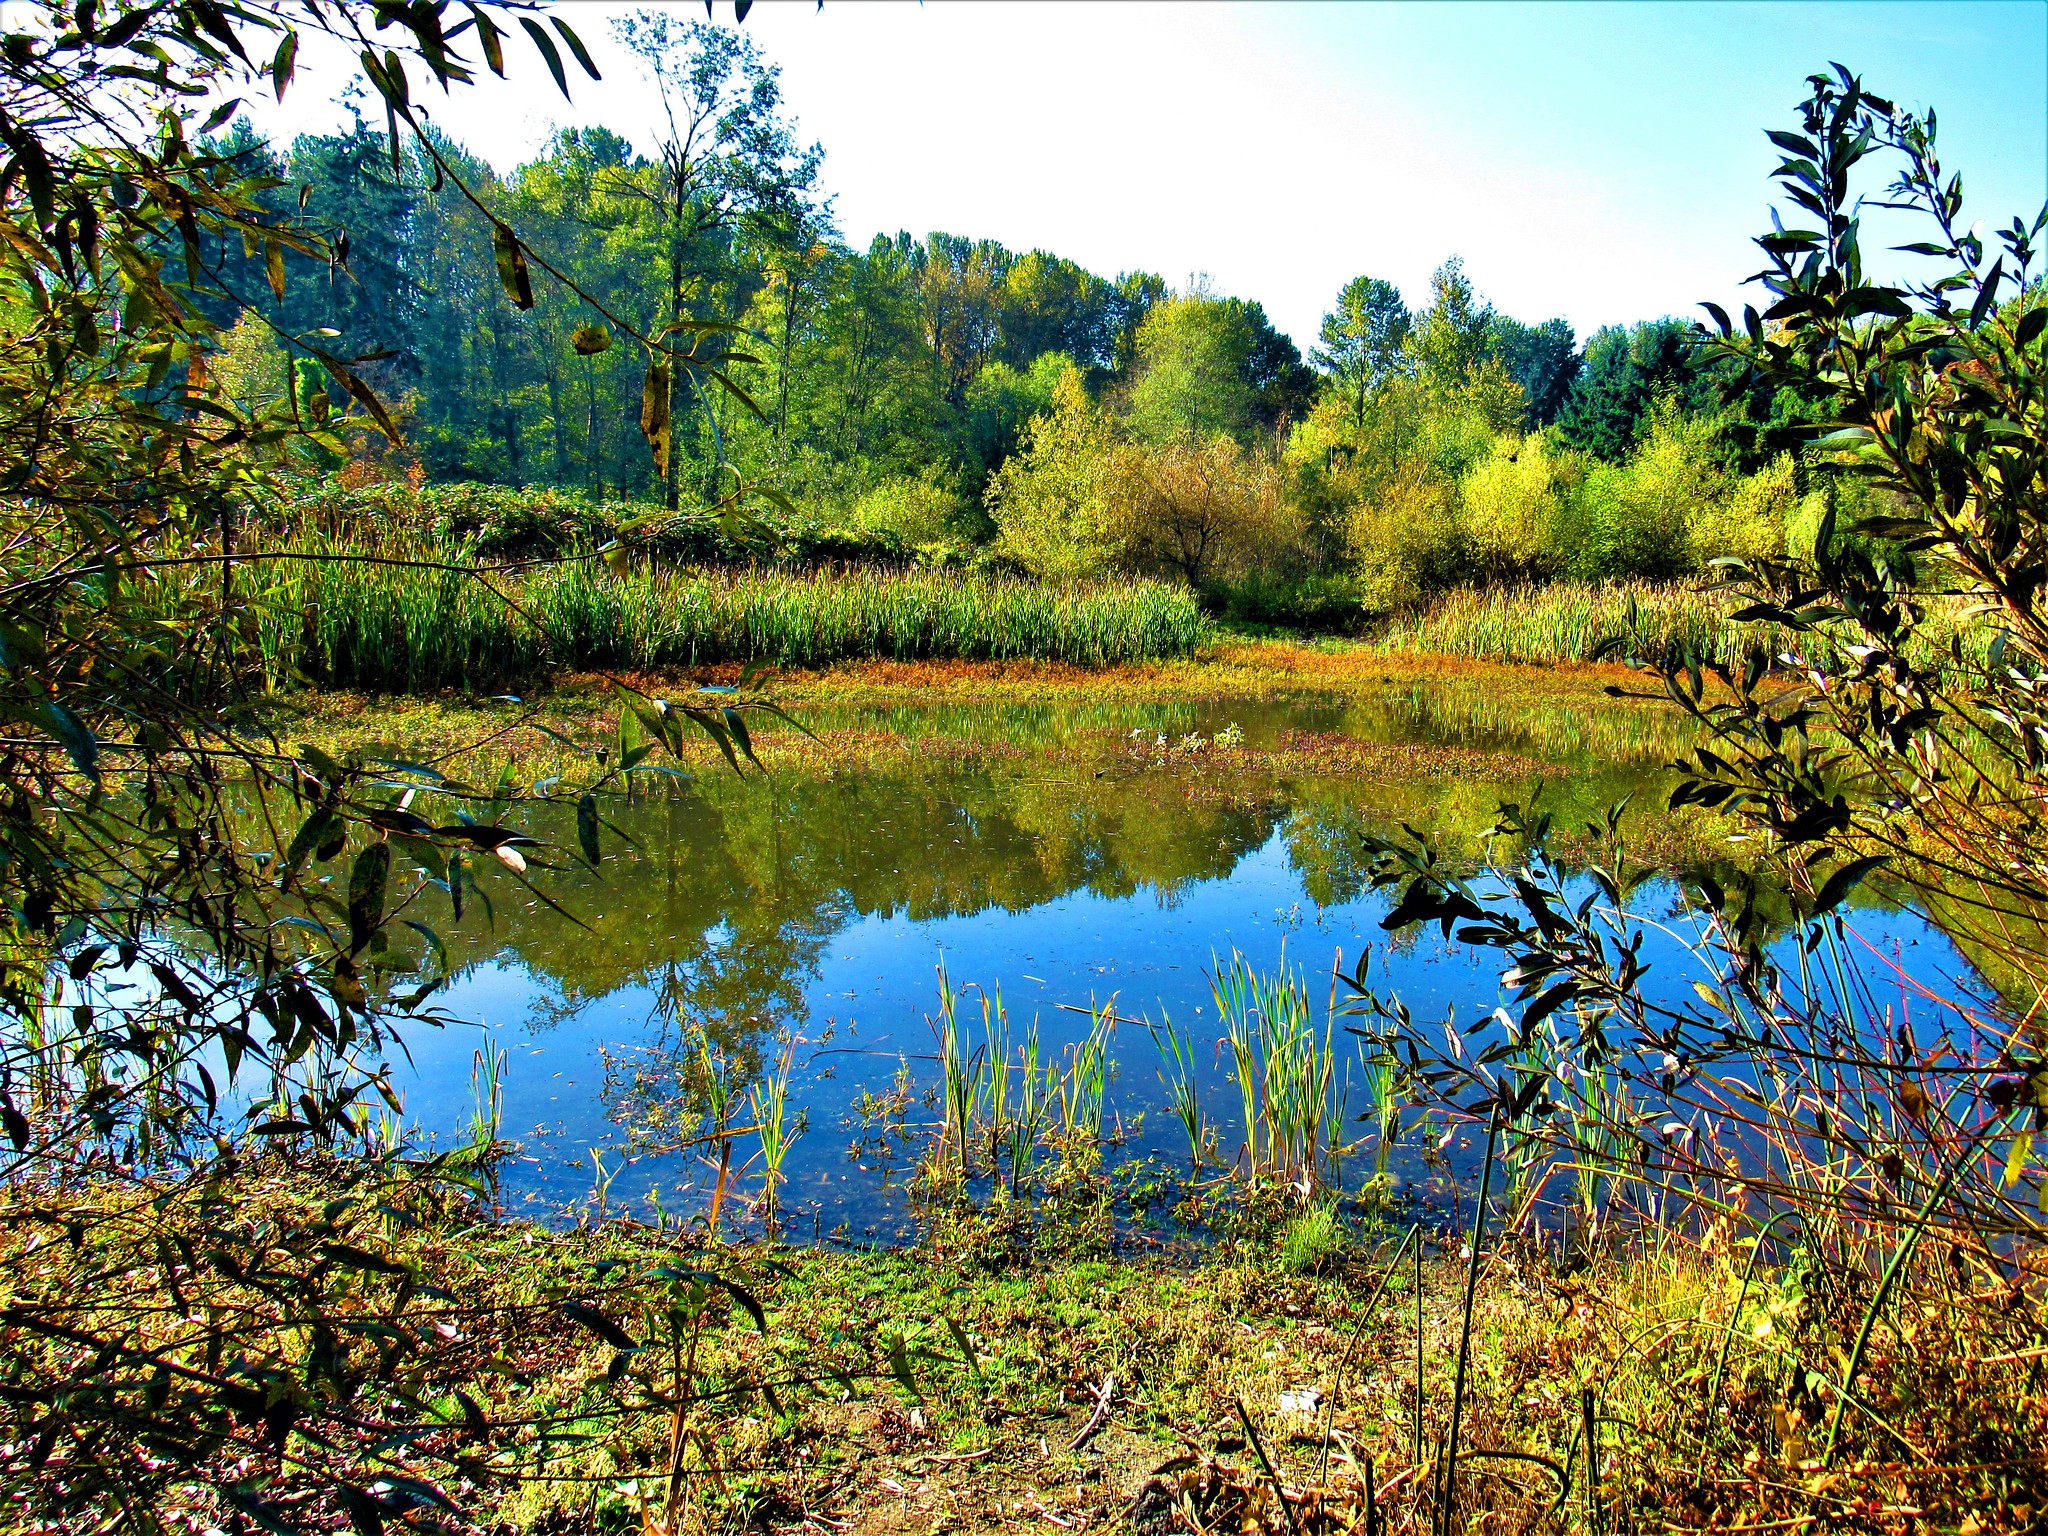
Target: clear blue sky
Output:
[{"x": 1603, "y": 162}]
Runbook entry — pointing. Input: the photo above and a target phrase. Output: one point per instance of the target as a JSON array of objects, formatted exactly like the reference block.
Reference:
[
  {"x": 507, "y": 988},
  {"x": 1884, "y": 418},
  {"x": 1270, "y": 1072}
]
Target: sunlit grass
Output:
[{"x": 405, "y": 627}]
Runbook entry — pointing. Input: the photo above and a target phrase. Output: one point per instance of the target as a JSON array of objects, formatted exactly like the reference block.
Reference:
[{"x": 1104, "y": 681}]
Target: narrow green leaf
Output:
[{"x": 546, "y": 45}]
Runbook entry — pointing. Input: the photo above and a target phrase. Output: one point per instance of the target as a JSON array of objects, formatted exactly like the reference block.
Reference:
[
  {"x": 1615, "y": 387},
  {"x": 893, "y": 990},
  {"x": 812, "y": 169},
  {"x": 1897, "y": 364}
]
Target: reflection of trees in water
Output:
[{"x": 722, "y": 903}]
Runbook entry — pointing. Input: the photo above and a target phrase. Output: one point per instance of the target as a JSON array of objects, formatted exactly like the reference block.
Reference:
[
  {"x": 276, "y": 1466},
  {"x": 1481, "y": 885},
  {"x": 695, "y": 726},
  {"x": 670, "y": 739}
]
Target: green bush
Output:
[{"x": 914, "y": 512}]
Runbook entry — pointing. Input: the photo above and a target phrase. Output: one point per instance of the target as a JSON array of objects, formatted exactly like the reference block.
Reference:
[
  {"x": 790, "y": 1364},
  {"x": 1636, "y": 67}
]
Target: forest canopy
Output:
[{"x": 949, "y": 399}]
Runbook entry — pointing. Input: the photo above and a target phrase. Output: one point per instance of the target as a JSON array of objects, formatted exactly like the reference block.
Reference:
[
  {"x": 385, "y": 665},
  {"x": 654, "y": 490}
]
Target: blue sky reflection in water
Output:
[{"x": 850, "y": 964}]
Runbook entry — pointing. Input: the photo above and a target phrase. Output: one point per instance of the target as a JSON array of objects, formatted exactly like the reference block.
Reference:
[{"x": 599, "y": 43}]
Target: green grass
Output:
[
  {"x": 399, "y": 628},
  {"x": 1567, "y": 621},
  {"x": 1571, "y": 622}
]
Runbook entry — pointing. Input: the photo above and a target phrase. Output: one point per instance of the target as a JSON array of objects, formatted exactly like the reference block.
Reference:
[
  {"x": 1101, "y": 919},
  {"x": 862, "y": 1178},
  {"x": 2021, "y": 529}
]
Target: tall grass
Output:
[
  {"x": 1568, "y": 621},
  {"x": 1286, "y": 1073},
  {"x": 353, "y": 622}
]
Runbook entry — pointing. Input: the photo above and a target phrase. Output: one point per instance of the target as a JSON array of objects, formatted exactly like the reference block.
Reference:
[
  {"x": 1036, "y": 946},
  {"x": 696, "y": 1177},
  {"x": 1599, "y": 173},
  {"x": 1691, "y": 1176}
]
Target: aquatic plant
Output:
[
  {"x": 712, "y": 1083},
  {"x": 960, "y": 1083},
  {"x": 768, "y": 1096},
  {"x": 487, "y": 1092},
  {"x": 1082, "y": 1085},
  {"x": 1179, "y": 1075},
  {"x": 1286, "y": 1073}
]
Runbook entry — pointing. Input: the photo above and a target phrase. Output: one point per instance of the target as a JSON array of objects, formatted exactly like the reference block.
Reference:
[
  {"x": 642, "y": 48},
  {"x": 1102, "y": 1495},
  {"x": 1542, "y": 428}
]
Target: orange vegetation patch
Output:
[{"x": 1245, "y": 669}]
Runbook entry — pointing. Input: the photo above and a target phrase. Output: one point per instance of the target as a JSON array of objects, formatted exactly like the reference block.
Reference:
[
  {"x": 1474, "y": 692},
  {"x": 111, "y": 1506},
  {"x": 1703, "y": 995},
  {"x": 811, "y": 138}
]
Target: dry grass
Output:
[{"x": 882, "y": 1421}]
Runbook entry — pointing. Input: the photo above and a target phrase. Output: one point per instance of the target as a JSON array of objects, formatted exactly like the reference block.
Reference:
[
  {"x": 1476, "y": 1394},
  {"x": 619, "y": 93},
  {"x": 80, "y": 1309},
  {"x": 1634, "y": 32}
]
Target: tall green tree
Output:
[
  {"x": 726, "y": 163},
  {"x": 1453, "y": 336},
  {"x": 1543, "y": 359},
  {"x": 1361, "y": 340},
  {"x": 1625, "y": 371}
]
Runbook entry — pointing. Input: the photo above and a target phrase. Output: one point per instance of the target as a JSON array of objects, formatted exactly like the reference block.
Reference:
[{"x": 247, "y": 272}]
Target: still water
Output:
[{"x": 1062, "y": 858}]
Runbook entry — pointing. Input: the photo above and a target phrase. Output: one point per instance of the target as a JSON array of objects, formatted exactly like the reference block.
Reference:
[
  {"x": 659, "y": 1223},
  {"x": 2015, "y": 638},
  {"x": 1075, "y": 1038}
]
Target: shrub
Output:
[
  {"x": 1632, "y": 518},
  {"x": 912, "y": 511},
  {"x": 1206, "y": 509},
  {"x": 1405, "y": 542},
  {"x": 1054, "y": 502},
  {"x": 1515, "y": 502},
  {"x": 1751, "y": 521}
]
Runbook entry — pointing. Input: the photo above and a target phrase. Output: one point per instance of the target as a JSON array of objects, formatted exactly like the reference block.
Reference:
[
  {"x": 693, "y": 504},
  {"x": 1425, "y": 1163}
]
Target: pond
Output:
[{"x": 1060, "y": 858}]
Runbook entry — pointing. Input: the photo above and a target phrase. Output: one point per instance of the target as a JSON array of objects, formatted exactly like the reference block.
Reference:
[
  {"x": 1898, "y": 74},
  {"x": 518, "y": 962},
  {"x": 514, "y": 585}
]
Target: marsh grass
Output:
[
  {"x": 1565, "y": 622},
  {"x": 387, "y": 617},
  {"x": 1570, "y": 622},
  {"x": 1290, "y": 1096},
  {"x": 1180, "y": 1075}
]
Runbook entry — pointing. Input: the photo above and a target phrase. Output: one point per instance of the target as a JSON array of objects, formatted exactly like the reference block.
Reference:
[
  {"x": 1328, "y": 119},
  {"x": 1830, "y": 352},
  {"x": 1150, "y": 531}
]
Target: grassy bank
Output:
[
  {"x": 622, "y": 1378},
  {"x": 360, "y": 623}
]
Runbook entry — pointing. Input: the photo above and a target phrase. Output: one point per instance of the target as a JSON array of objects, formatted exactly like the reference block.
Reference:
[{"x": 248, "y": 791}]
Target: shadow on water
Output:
[{"x": 732, "y": 914}]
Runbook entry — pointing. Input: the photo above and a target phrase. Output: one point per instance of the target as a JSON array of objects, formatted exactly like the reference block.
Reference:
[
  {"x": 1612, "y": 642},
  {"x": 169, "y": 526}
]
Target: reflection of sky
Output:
[{"x": 875, "y": 984}]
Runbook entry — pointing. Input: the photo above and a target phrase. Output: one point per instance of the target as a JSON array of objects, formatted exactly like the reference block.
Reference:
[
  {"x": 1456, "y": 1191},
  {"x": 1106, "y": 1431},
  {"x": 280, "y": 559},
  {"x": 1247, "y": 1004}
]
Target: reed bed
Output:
[
  {"x": 1563, "y": 622},
  {"x": 382, "y": 617},
  {"x": 1568, "y": 621}
]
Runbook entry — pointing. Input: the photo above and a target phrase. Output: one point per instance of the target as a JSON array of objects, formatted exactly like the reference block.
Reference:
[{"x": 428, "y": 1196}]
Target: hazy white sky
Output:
[{"x": 1602, "y": 162}]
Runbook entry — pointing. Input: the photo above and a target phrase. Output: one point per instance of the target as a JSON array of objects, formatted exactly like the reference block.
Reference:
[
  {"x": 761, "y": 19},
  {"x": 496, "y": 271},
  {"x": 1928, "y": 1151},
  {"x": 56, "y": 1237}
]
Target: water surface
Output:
[{"x": 1092, "y": 855}]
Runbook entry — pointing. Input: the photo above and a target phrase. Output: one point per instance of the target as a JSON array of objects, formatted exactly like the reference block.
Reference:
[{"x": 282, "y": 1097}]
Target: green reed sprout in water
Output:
[
  {"x": 1027, "y": 1123},
  {"x": 1597, "y": 1098},
  {"x": 714, "y": 1086},
  {"x": 1180, "y": 1077},
  {"x": 1013, "y": 1128},
  {"x": 1083, "y": 1086},
  {"x": 960, "y": 1082},
  {"x": 1380, "y": 1073},
  {"x": 1286, "y": 1072},
  {"x": 487, "y": 1089},
  {"x": 769, "y": 1098}
]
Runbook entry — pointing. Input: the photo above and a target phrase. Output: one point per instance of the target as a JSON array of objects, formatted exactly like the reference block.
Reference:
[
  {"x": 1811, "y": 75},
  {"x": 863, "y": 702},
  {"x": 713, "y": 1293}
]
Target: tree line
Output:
[{"x": 952, "y": 396}]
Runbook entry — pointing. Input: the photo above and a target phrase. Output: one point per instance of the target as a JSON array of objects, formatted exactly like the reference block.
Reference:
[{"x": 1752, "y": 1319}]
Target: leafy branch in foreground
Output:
[
  {"x": 198, "y": 949},
  {"x": 1806, "y": 1074}
]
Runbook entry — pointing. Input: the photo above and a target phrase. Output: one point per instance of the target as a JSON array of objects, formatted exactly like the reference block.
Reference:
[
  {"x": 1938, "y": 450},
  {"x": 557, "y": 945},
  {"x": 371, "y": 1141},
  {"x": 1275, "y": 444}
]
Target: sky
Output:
[{"x": 1602, "y": 162}]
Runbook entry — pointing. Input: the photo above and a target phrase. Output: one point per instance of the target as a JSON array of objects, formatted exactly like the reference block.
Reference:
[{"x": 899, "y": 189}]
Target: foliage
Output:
[
  {"x": 174, "y": 990},
  {"x": 1057, "y": 504},
  {"x": 1203, "y": 370},
  {"x": 1203, "y": 510},
  {"x": 1362, "y": 339},
  {"x": 1894, "y": 1132}
]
